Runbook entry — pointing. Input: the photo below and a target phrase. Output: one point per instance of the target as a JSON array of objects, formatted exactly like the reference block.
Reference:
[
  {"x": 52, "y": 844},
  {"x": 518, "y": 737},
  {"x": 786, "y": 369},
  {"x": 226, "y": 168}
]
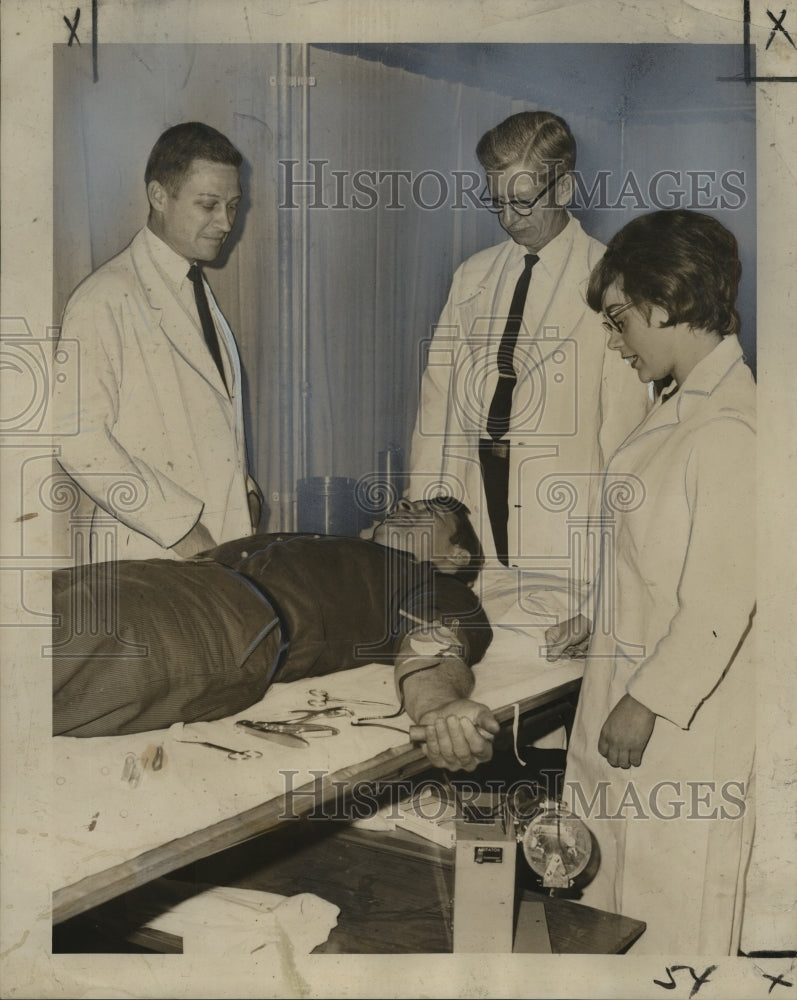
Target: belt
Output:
[{"x": 499, "y": 449}]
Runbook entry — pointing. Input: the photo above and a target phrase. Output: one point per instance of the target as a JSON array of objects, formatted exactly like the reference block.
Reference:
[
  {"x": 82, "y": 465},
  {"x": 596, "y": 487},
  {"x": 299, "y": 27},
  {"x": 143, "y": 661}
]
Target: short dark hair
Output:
[
  {"x": 178, "y": 147},
  {"x": 685, "y": 262},
  {"x": 528, "y": 135},
  {"x": 464, "y": 535}
]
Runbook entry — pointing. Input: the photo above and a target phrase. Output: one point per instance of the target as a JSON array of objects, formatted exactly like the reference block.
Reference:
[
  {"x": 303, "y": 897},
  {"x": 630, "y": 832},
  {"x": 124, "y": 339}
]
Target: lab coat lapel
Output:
[
  {"x": 476, "y": 304},
  {"x": 663, "y": 414},
  {"x": 562, "y": 305},
  {"x": 177, "y": 324},
  {"x": 566, "y": 306},
  {"x": 701, "y": 383},
  {"x": 477, "y": 330},
  {"x": 556, "y": 308}
]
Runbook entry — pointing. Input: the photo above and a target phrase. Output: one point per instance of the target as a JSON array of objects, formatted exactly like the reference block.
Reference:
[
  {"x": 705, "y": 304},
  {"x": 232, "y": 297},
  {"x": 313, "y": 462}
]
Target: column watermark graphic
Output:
[{"x": 57, "y": 529}]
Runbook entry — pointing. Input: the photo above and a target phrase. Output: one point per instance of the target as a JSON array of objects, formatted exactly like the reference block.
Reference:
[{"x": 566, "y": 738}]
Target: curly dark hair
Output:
[{"x": 685, "y": 262}]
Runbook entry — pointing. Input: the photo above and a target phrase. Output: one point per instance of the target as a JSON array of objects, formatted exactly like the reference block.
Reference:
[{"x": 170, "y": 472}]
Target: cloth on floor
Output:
[{"x": 222, "y": 919}]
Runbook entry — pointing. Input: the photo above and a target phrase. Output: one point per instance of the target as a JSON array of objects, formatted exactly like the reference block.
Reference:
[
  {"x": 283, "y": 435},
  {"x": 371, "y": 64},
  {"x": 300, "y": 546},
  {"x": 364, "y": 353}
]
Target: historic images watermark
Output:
[
  {"x": 317, "y": 184},
  {"x": 325, "y": 798}
]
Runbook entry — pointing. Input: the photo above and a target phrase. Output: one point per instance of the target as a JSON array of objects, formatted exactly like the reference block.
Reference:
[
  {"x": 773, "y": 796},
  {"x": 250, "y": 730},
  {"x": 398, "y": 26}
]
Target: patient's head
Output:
[{"x": 436, "y": 530}]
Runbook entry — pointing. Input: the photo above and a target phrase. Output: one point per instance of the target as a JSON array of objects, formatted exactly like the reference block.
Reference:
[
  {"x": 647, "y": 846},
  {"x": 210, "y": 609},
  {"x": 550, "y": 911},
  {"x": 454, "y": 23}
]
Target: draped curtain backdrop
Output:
[
  {"x": 352, "y": 222},
  {"x": 379, "y": 273}
]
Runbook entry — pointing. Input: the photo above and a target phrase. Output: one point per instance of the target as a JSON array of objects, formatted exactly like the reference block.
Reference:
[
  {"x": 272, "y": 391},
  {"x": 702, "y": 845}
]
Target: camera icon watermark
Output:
[
  {"x": 545, "y": 397},
  {"x": 30, "y": 368}
]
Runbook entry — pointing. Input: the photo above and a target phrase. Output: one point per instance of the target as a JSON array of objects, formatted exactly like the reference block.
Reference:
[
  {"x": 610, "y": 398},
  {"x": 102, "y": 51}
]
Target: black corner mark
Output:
[
  {"x": 73, "y": 28},
  {"x": 73, "y": 36},
  {"x": 747, "y": 76},
  {"x": 778, "y": 22},
  {"x": 94, "y": 26},
  {"x": 776, "y": 981}
]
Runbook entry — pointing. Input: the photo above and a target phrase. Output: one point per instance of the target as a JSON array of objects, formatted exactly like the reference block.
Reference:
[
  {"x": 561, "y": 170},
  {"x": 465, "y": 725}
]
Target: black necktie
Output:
[
  {"x": 208, "y": 327},
  {"x": 501, "y": 406}
]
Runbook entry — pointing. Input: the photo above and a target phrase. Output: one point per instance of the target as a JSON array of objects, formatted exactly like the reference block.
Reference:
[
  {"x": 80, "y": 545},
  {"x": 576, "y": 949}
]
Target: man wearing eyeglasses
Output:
[{"x": 518, "y": 422}]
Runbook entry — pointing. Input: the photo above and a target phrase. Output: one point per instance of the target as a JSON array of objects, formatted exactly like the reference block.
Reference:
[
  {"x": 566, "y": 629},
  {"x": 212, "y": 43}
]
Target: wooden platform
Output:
[
  {"x": 394, "y": 891},
  {"x": 539, "y": 712}
]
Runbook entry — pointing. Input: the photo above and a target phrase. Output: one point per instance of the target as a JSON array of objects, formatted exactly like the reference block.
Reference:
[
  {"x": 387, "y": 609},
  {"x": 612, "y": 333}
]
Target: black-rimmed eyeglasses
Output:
[
  {"x": 518, "y": 205},
  {"x": 609, "y": 321}
]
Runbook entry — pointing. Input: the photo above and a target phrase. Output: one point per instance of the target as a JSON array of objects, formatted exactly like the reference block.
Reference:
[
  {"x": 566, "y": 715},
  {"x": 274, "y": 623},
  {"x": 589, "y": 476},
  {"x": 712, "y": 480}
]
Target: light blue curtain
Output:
[{"x": 380, "y": 273}]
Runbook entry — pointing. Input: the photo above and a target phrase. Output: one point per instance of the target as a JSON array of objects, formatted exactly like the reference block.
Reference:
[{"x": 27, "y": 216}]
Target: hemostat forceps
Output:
[
  {"x": 320, "y": 699},
  {"x": 232, "y": 754},
  {"x": 303, "y": 714}
]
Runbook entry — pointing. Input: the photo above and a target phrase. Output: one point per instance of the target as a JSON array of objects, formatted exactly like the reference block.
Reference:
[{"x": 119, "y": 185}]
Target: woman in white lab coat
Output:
[{"x": 660, "y": 763}]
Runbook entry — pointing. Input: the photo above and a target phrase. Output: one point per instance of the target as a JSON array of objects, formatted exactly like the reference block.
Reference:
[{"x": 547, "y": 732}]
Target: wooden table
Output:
[
  {"x": 543, "y": 710},
  {"x": 394, "y": 891}
]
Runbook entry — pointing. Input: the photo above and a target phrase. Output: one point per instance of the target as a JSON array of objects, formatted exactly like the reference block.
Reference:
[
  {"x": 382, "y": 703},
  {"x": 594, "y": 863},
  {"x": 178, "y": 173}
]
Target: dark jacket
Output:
[
  {"x": 142, "y": 644},
  {"x": 344, "y": 602}
]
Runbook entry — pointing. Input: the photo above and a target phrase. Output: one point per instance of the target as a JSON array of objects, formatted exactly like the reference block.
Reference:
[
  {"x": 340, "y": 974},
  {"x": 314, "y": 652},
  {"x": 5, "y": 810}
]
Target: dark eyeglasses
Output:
[
  {"x": 609, "y": 322},
  {"x": 518, "y": 206}
]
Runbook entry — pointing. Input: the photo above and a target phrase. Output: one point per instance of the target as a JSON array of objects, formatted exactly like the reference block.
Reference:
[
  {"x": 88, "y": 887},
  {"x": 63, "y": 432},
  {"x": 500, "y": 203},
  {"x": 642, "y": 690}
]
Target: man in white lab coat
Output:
[
  {"x": 660, "y": 764},
  {"x": 531, "y": 480},
  {"x": 149, "y": 421}
]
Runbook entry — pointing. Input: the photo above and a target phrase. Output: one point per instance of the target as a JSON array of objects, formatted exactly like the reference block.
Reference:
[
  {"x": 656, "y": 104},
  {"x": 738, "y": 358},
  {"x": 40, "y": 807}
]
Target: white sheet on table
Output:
[{"x": 101, "y": 820}]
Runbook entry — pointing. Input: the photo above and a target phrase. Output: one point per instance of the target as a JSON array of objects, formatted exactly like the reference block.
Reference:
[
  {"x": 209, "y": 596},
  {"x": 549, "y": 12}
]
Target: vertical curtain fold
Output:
[{"x": 373, "y": 305}]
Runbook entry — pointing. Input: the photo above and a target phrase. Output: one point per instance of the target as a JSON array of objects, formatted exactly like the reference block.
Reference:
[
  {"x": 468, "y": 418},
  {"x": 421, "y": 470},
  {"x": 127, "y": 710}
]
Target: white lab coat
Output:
[
  {"x": 673, "y": 629},
  {"x": 574, "y": 401},
  {"x": 143, "y": 424}
]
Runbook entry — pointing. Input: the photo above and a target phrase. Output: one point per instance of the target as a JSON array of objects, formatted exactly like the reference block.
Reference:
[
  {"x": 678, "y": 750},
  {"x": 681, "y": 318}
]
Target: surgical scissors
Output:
[
  {"x": 320, "y": 699},
  {"x": 293, "y": 732},
  {"x": 232, "y": 754}
]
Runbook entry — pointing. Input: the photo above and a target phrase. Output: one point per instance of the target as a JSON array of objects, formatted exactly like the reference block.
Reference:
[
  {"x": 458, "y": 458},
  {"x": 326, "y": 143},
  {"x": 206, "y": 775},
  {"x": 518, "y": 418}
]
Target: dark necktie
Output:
[
  {"x": 494, "y": 453},
  {"x": 208, "y": 326},
  {"x": 501, "y": 406}
]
